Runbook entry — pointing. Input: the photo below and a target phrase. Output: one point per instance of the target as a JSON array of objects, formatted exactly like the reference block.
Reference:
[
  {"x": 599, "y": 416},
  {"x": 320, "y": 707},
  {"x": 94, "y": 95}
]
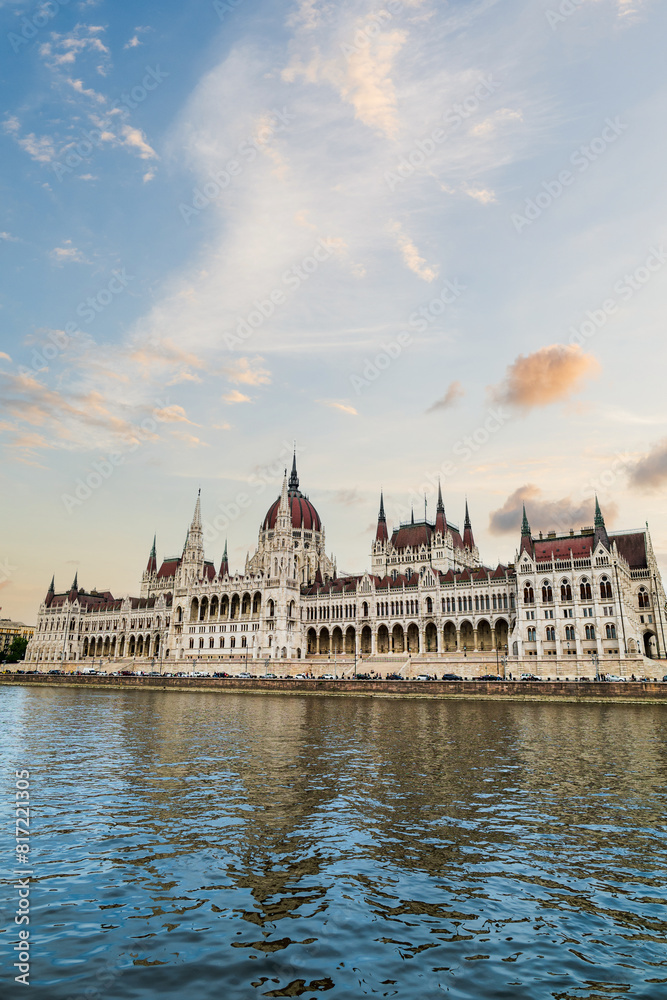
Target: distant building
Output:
[
  {"x": 593, "y": 595},
  {"x": 9, "y": 630}
]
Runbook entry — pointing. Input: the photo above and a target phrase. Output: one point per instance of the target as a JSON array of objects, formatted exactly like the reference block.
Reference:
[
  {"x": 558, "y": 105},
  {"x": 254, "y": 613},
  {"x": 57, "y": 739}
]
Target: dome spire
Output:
[
  {"x": 468, "y": 539},
  {"x": 600, "y": 527},
  {"x": 294, "y": 478}
]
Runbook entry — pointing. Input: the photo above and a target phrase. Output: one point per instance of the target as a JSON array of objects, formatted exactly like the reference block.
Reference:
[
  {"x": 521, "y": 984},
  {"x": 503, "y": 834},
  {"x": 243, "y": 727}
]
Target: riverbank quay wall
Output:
[{"x": 568, "y": 691}]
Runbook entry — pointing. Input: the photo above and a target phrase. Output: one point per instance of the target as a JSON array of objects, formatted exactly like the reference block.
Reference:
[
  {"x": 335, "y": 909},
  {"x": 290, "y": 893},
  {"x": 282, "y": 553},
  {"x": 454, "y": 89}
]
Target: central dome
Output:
[{"x": 303, "y": 513}]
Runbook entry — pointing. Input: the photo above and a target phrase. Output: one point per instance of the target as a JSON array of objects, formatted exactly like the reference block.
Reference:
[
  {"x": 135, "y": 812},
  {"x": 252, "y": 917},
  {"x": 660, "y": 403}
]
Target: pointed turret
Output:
[
  {"x": 440, "y": 518},
  {"x": 152, "y": 559},
  {"x": 284, "y": 514},
  {"x": 381, "y": 534},
  {"x": 412, "y": 515},
  {"x": 50, "y": 592},
  {"x": 600, "y": 528},
  {"x": 468, "y": 539},
  {"x": 294, "y": 478},
  {"x": 74, "y": 589},
  {"x": 526, "y": 537},
  {"x": 192, "y": 563},
  {"x": 75, "y": 582},
  {"x": 224, "y": 565}
]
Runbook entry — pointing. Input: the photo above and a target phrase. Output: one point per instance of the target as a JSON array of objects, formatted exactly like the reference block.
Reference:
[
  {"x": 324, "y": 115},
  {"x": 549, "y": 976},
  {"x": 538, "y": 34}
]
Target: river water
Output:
[{"x": 240, "y": 846}]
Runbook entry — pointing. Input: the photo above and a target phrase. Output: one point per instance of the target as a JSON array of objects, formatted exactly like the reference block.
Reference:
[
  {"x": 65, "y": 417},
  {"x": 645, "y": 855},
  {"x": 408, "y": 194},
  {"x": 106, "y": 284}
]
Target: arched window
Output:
[
  {"x": 477, "y": 602},
  {"x": 222, "y": 642},
  {"x": 528, "y": 594},
  {"x": 429, "y": 606},
  {"x": 551, "y": 633},
  {"x": 605, "y": 589},
  {"x": 585, "y": 588},
  {"x": 547, "y": 593},
  {"x": 569, "y": 632},
  {"x": 565, "y": 590},
  {"x": 531, "y": 634},
  {"x": 643, "y": 598},
  {"x": 590, "y": 631},
  {"x": 611, "y": 631}
]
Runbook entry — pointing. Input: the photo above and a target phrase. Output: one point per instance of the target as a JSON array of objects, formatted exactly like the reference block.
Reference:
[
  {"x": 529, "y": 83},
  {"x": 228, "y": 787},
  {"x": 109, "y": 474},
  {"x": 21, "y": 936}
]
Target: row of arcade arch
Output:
[{"x": 397, "y": 639}]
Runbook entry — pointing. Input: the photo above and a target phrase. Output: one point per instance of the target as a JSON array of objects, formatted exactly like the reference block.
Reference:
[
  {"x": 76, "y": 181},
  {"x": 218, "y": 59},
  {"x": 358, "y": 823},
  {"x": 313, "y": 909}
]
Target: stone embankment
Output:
[{"x": 581, "y": 691}]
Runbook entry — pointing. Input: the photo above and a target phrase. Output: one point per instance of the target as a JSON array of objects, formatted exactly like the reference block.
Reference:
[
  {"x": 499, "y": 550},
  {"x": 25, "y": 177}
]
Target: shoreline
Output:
[{"x": 595, "y": 692}]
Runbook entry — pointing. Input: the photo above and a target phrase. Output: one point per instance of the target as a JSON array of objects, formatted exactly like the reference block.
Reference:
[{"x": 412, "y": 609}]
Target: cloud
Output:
[
  {"x": 134, "y": 138},
  {"x": 8, "y": 238},
  {"x": 650, "y": 472},
  {"x": 234, "y": 396},
  {"x": 338, "y": 405},
  {"x": 148, "y": 176},
  {"x": 483, "y": 195},
  {"x": 411, "y": 256},
  {"x": 173, "y": 414},
  {"x": 189, "y": 439},
  {"x": 67, "y": 254},
  {"x": 453, "y": 394},
  {"x": 40, "y": 149},
  {"x": 85, "y": 92},
  {"x": 132, "y": 42},
  {"x": 4, "y": 356},
  {"x": 544, "y": 515},
  {"x": 548, "y": 376},
  {"x": 242, "y": 372},
  {"x": 63, "y": 50},
  {"x": 363, "y": 77}
]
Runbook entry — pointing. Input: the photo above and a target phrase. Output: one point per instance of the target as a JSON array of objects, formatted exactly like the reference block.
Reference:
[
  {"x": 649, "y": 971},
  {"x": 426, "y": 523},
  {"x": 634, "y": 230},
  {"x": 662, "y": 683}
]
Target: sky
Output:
[{"x": 423, "y": 240}]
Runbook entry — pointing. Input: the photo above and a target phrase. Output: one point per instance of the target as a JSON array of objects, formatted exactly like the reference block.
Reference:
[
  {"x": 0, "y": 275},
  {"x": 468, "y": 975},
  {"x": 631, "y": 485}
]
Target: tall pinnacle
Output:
[
  {"x": 600, "y": 527},
  {"x": 52, "y": 585},
  {"x": 381, "y": 534},
  {"x": 525, "y": 527},
  {"x": 440, "y": 519},
  {"x": 468, "y": 539},
  {"x": 294, "y": 478},
  {"x": 196, "y": 517},
  {"x": 152, "y": 559},
  {"x": 75, "y": 584}
]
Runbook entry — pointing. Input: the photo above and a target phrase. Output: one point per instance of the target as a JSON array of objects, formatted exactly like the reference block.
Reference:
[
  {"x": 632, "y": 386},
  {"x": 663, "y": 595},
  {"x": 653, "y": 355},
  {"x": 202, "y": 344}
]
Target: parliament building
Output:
[{"x": 587, "y": 601}]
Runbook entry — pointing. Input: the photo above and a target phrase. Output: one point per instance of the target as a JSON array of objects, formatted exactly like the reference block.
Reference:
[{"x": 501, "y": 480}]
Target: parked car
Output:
[
  {"x": 394, "y": 677},
  {"x": 451, "y": 677},
  {"x": 424, "y": 677},
  {"x": 270, "y": 677},
  {"x": 244, "y": 674},
  {"x": 490, "y": 677},
  {"x": 529, "y": 677},
  {"x": 300, "y": 677},
  {"x": 327, "y": 677}
]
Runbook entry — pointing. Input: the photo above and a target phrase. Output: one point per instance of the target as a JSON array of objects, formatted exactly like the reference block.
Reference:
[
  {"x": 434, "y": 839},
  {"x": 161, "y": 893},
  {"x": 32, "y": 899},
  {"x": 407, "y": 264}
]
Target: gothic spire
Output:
[
  {"x": 52, "y": 585},
  {"x": 468, "y": 539},
  {"x": 75, "y": 584},
  {"x": 600, "y": 527},
  {"x": 196, "y": 517},
  {"x": 525, "y": 527},
  {"x": 440, "y": 519},
  {"x": 152, "y": 559},
  {"x": 526, "y": 537},
  {"x": 224, "y": 565},
  {"x": 294, "y": 478},
  {"x": 381, "y": 535}
]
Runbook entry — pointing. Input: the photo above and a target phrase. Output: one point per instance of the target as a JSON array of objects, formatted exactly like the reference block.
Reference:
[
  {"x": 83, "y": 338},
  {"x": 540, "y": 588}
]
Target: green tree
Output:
[{"x": 17, "y": 649}]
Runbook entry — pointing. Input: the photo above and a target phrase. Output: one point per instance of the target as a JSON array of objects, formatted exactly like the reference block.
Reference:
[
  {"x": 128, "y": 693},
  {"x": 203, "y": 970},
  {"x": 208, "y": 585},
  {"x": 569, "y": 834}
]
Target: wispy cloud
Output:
[
  {"x": 544, "y": 515},
  {"x": 341, "y": 405},
  {"x": 650, "y": 471},
  {"x": 67, "y": 254},
  {"x": 247, "y": 371},
  {"x": 416, "y": 263},
  {"x": 234, "y": 396},
  {"x": 452, "y": 395}
]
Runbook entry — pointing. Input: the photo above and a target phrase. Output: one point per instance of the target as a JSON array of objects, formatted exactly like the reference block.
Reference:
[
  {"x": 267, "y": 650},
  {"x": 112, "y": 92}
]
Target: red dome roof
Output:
[{"x": 304, "y": 514}]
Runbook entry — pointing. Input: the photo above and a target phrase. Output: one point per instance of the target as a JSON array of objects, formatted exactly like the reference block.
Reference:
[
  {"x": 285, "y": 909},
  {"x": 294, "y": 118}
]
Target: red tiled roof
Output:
[
  {"x": 168, "y": 568},
  {"x": 632, "y": 546},
  {"x": 411, "y": 536},
  {"x": 559, "y": 548}
]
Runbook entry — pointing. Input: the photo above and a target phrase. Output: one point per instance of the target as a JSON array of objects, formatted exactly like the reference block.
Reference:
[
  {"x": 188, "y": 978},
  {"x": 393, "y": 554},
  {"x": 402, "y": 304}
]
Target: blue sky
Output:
[{"x": 423, "y": 239}]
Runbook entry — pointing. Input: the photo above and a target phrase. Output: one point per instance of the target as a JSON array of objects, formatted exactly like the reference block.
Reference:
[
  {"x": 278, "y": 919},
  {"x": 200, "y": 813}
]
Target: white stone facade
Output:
[{"x": 591, "y": 597}]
